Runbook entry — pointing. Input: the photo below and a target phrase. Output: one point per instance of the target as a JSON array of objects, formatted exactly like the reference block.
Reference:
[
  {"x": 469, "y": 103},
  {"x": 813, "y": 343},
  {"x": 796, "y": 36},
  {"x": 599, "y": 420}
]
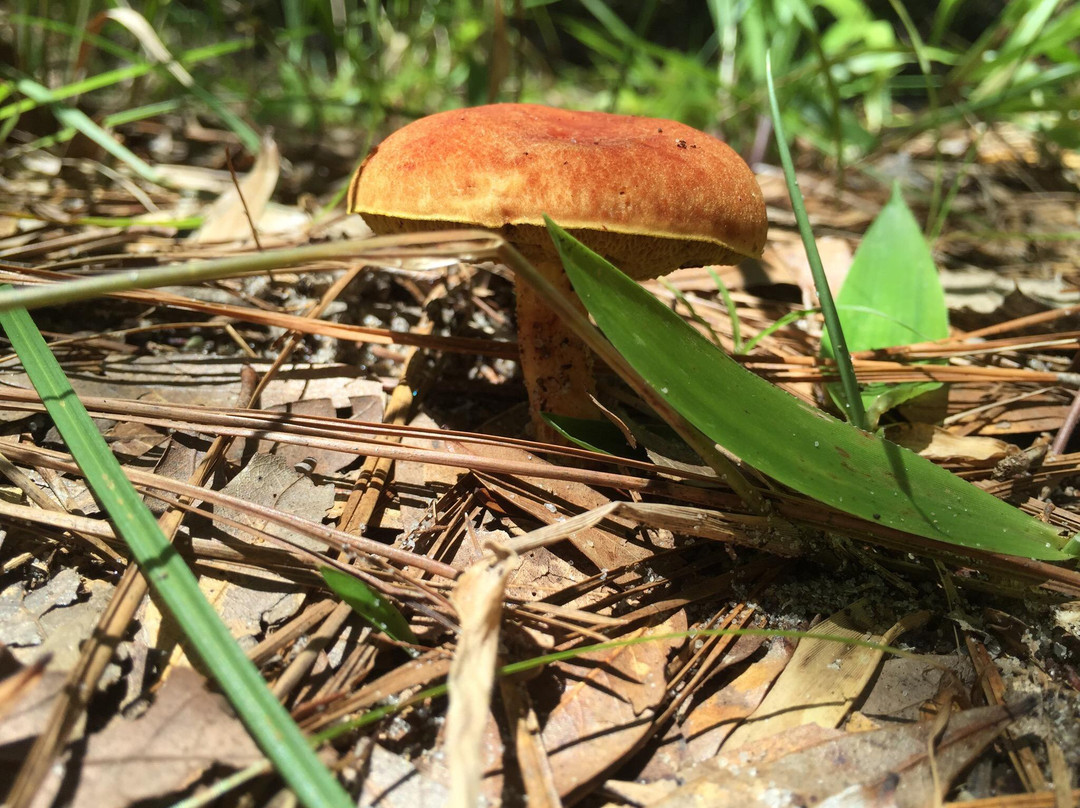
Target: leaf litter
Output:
[{"x": 608, "y": 550}]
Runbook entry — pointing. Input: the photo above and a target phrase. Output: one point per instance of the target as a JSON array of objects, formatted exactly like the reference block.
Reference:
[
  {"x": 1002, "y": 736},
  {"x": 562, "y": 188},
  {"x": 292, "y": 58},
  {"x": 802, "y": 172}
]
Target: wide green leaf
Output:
[
  {"x": 892, "y": 296},
  {"x": 796, "y": 444}
]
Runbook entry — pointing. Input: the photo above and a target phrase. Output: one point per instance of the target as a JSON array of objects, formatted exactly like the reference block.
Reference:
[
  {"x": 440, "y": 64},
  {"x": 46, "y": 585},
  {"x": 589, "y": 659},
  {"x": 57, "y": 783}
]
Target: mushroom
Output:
[{"x": 650, "y": 195}]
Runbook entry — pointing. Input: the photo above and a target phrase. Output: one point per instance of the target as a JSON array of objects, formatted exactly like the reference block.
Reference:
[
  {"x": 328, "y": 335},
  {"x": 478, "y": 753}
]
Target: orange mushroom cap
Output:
[{"x": 649, "y": 194}]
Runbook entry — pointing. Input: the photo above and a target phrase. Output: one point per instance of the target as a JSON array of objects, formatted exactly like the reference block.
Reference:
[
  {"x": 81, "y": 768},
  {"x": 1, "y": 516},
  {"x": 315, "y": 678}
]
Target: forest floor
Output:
[{"x": 345, "y": 395}]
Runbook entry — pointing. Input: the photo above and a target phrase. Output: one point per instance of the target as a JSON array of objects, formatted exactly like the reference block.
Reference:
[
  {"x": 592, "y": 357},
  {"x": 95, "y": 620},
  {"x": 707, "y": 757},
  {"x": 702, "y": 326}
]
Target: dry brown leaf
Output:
[
  {"x": 935, "y": 443},
  {"x": 478, "y": 598},
  {"x": 672, "y": 754},
  {"x": 266, "y": 480},
  {"x": 710, "y": 723},
  {"x": 785, "y": 262},
  {"x": 420, "y": 484},
  {"x": 186, "y": 731},
  {"x": 607, "y": 707},
  {"x": 226, "y": 219},
  {"x": 887, "y": 767},
  {"x": 132, "y": 440},
  {"x": 16, "y": 685},
  {"x": 29, "y": 715},
  {"x": 327, "y": 461},
  {"x": 269, "y": 480},
  {"x": 51, "y": 620},
  {"x": 906, "y": 685},
  {"x": 26, "y": 699},
  {"x": 823, "y": 678},
  {"x": 181, "y": 457}
]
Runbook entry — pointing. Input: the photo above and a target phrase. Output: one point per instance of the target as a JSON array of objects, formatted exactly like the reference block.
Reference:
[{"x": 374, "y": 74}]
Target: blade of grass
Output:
[
  {"x": 705, "y": 447},
  {"x": 70, "y": 116},
  {"x": 37, "y": 24},
  {"x": 733, "y": 314},
  {"x": 108, "y": 122},
  {"x": 141, "y": 29},
  {"x": 783, "y": 322},
  {"x": 692, "y": 312},
  {"x": 370, "y": 605},
  {"x": 923, "y": 59},
  {"x": 267, "y": 720},
  {"x": 112, "y": 77},
  {"x": 853, "y": 406}
]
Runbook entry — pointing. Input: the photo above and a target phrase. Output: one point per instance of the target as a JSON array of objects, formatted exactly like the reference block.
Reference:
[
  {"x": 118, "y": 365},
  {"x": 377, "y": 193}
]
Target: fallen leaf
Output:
[
  {"x": 269, "y": 480},
  {"x": 327, "y": 461},
  {"x": 907, "y": 684},
  {"x": 27, "y": 693},
  {"x": 227, "y": 218},
  {"x": 607, "y": 707},
  {"x": 935, "y": 443},
  {"x": 673, "y": 753},
  {"x": 788, "y": 259},
  {"x": 823, "y": 678},
  {"x": 185, "y": 732},
  {"x": 709, "y": 724},
  {"x": 52, "y": 620},
  {"x": 419, "y": 484},
  {"x": 898, "y": 766}
]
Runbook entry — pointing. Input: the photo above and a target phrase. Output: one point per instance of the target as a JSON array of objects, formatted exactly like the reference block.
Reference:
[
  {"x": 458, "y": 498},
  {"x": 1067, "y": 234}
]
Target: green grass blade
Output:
[
  {"x": 800, "y": 446},
  {"x": 783, "y": 322},
  {"x": 171, "y": 68},
  {"x": 370, "y": 605},
  {"x": 853, "y": 407},
  {"x": 697, "y": 318},
  {"x": 70, "y": 116},
  {"x": 922, "y": 57},
  {"x": 266, "y": 719},
  {"x": 24, "y": 105},
  {"x": 248, "y": 136},
  {"x": 732, "y": 311},
  {"x": 108, "y": 122},
  {"x": 112, "y": 77}
]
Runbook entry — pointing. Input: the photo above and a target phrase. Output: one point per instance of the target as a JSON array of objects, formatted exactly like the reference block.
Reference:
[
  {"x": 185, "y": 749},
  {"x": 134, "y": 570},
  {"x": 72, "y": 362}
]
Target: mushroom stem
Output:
[{"x": 555, "y": 363}]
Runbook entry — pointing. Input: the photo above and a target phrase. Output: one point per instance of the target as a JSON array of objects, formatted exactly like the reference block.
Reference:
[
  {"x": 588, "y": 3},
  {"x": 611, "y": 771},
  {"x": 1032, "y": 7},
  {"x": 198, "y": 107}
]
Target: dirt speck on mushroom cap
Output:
[{"x": 650, "y": 194}]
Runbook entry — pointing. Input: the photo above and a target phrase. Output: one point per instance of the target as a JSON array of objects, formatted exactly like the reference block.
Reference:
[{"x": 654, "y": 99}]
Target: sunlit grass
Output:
[{"x": 848, "y": 79}]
